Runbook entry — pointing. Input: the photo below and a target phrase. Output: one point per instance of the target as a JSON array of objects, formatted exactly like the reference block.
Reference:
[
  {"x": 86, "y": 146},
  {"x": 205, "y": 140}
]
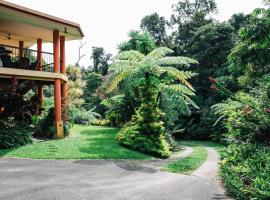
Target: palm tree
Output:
[{"x": 132, "y": 65}]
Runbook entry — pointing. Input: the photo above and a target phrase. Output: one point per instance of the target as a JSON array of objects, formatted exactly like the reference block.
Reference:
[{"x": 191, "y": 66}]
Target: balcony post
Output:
[
  {"x": 21, "y": 44},
  {"x": 40, "y": 87},
  {"x": 63, "y": 71},
  {"x": 57, "y": 86}
]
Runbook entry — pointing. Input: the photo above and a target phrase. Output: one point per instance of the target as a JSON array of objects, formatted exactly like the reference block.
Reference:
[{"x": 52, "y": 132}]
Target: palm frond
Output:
[
  {"x": 178, "y": 61},
  {"x": 160, "y": 52},
  {"x": 130, "y": 55}
]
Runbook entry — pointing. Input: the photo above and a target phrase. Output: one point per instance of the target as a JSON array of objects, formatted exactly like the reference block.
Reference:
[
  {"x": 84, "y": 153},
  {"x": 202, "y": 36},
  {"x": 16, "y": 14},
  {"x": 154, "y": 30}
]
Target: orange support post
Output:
[
  {"x": 40, "y": 88},
  {"x": 39, "y": 54},
  {"x": 62, "y": 54},
  {"x": 57, "y": 85},
  {"x": 63, "y": 71},
  {"x": 21, "y": 44},
  {"x": 56, "y": 46}
]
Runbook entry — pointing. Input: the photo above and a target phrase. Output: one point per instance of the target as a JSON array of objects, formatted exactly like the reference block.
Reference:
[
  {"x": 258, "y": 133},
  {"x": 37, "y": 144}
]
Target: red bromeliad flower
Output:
[
  {"x": 214, "y": 87},
  {"x": 267, "y": 110},
  {"x": 212, "y": 80}
]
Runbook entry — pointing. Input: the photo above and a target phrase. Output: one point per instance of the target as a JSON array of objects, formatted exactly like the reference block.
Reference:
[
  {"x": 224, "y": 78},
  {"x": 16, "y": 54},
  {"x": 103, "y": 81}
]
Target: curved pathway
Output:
[
  {"x": 209, "y": 168},
  {"x": 24, "y": 179}
]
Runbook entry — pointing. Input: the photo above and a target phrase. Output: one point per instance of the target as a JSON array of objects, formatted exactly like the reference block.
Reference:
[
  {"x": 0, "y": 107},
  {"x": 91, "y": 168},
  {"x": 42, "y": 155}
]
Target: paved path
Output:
[
  {"x": 210, "y": 168},
  {"x": 23, "y": 179}
]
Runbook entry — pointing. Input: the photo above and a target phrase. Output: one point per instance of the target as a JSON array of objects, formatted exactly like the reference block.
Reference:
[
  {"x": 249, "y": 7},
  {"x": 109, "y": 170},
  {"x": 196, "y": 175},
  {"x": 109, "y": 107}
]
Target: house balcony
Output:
[{"x": 28, "y": 64}]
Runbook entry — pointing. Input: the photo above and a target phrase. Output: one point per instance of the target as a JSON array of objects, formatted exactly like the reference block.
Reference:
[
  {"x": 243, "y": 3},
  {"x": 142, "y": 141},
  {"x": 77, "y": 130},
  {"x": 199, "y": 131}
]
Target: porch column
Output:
[
  {"x": 21, "y": 44},
  {"x": 57, "y": 85},
  {"x": 40, "y": 88},
  {"x": 63, "y": 71}
]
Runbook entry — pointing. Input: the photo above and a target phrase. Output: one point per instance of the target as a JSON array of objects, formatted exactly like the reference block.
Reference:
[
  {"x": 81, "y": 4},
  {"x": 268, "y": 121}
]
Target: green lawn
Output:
[
  {"x": 195, "y": 160},
  {"x": 189, "y": 164},
  {"x": 85, "y": 142}
]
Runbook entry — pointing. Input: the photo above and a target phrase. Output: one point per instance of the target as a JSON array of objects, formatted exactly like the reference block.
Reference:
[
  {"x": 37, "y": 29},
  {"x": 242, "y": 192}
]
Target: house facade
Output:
[{"x": 21, "y": 28}]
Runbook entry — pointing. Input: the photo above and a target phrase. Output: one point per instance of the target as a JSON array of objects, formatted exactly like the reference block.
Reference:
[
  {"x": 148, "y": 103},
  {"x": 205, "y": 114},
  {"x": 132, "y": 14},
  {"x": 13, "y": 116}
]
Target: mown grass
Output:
[
  {"x": 189, "y": 164},
  {"x": 85, "y": 142},
  {"x": 195, "y": 160}
]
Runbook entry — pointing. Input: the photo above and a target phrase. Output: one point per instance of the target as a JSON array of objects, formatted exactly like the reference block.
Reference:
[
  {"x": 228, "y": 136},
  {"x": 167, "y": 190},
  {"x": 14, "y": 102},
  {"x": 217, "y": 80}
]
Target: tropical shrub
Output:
[
  {"x": 14, "y": 133},
  {"x": 247, "y": 116},
  {"x": 245, "y": 171}
]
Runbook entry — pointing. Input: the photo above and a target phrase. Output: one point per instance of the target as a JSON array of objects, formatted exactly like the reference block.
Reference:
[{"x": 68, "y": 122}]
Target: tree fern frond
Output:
[
  {"x": 180, "y": 61},
  {"x": 160, "y": 52},
  {"x": 121, "y": 65},
  {"x": 219, "y": 108},
  {"x": 180, "y": 88},
  {"x": 130, "y": 55},
  {"x": 184, "y": 109},
  {"x": 189, "y": 101},
  {"x": 117, "y": 79},
  {"x": 182, "y": 76}
]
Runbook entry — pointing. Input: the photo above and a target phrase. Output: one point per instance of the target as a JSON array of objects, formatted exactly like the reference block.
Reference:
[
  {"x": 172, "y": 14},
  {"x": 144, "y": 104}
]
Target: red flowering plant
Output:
[{"x": 219, "y": 87}]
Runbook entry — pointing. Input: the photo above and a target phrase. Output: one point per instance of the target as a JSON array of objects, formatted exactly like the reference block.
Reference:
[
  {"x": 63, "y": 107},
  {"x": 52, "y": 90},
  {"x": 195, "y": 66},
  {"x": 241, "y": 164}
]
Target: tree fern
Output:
[
  {"x": 131, "y": 66},
  {"x": 182, "y": 76},
  {"x": 130, "y": 55},
  {"x": 177, "y": 61},
  {"x": 160, "y": 52},
  {"x": 180, "y": 89}
]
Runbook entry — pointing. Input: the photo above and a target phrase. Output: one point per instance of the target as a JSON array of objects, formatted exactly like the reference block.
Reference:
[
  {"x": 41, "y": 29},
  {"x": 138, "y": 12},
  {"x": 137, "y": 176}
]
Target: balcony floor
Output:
[{"x": 31, "y": 75}]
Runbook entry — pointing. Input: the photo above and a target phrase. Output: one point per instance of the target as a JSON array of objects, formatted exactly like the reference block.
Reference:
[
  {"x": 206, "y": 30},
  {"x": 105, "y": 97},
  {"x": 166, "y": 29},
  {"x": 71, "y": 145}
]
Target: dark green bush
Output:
[
  {"x": 45, "y": 127},
  {"x": 14, "y": 134},
  {"x": 245, "y": 170},
  {"x": 118, "y": 111}
]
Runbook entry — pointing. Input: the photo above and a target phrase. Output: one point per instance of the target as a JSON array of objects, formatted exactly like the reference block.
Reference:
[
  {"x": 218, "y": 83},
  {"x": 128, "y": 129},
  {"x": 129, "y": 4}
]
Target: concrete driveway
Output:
[{"x": 99, "y": 179}]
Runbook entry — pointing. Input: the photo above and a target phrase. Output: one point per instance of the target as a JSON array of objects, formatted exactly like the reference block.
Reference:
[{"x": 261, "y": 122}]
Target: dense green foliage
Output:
[
  {"x": 139, "y": 41},
  {"x": 245, "y": 113},
  {"x": 156, "y": 26},
  {"x": 100, "y": 60},
  {"x": 14, "y": 134}
]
